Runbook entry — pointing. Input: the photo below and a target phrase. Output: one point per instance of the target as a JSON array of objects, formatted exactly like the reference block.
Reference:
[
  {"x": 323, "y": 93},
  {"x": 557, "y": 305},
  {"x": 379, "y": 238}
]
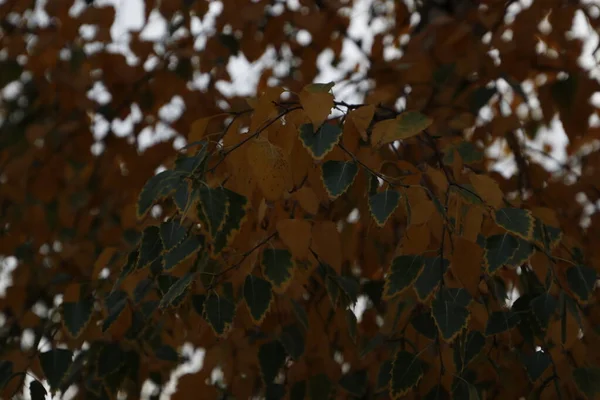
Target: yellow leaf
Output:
[
  {"x": 406, "y": 125},
  {"x": 270, "y": 166},
  {"x": 307, "y": 199},
  {"x": 317, "y": 102},
  {"x": 488, "y": 189},
  {"x": 466, "y": 264},
  {"x": 296, "y": 235},
  {"x": 264, "y": 108},
  {"x": 361, "y": 118}
]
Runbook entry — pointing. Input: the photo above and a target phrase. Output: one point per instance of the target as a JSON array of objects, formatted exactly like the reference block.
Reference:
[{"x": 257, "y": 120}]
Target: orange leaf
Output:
[
  {"x": 466, "y": 264},
  {"x": 270, "y": 166},
  {"x": 317, "y": 102},
  {"x": 327, "y": 243},
  {"x": 361, "y": 118},
  {"x": 264, "y": 109},
  {"x": 488, "y": 189},
  {"x": 406, "y": 125},
  {"x": 472, "y": 223},
  {"x": 296, "y": 235},
  {"x": 307, "y": 199}
]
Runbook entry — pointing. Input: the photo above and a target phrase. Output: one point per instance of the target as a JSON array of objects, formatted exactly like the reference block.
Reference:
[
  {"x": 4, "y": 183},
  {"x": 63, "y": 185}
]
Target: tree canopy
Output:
[{"x": 422, "y": 224}]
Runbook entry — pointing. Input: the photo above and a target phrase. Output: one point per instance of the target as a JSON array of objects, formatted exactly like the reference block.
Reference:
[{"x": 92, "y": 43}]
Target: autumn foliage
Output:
[{"x": 255, "y": 228}]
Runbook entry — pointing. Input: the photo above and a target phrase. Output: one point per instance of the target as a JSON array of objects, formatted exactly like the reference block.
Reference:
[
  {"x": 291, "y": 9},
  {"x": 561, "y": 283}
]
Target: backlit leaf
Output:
[
  {"x": 219, "y": 312},
  {"x": 499, "y": 250},
  {"x": 516, "y": 220},
  {"x": 449, "y": 310},
  {"x": 55, "y": 364},
  {"x": 383, "y": 204},
  {"x": 406, "y": 125},
  {"x": 587, "y": 380},
  {"x": 237, "y": 214},
  {"x": 259, "y": 296},
  {"x": 292, "y": 340},
  {"x": 271, "y": 357},
  {"x": 37, "y": 391},
  {"x": 77, "y": 315},
  {"x": 536, "y": 363},
  {"x": 582, "y": 281},
  {"x": 430, "y": 277},
  {"x": 157, "y": 188},
  {"x": 407, "y": 371},
  {"x": 402, "y": 273},
  {"x": 214, "y": 205},
  {"x": 321, "y": 142},
  {"x": 501, "y": 321},
  {"x": 277, "y": 266},
  {"x": 338, "y": 176},
  {"x": 355, "y": 382}
]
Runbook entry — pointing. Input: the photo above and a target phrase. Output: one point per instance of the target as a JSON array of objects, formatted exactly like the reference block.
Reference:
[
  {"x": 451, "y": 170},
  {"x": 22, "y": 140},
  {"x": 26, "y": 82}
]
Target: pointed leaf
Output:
[
  {"x": 176, "y": 290},
  {"x": 407, "y": 371},
  {"x": 523, "y": 253},
  {"x": 349, "y": 286},
  {"x": 355, "y": 382},
  {"x": 384, "y": 375},
  {"x": 499, "y": 250},
  {"x": 37, "y": 391},
  {"x": 316, "y": 101},
  {"x": 258, "y": 294},
  {"x": 319, "y": 387},
  {"x": 383, "y": 204},
  {"x": 431, "y": 277},
  {"x": 501, "y": 321},
  {"x": 467, "y": 351},
  {"x": 536, "y": 363},
  {"x": 352, "y": 324},
  {"x": 543, "y": 308},
  {"x": 300, "y": 313},
  {"x": 582, "y": 281},
  {"x": 171, "y": 234},
  {"x": 190, "y": 245},
  {"x": 55, "y": 364},
  {"x": 402, "y": 274},
  {"x": 546, "y": 236},
  {"x": 166, "y": 353},
  {"x": 277, "y": 266},
  {"x": 516, "y": 220},
  {"x": 76, "y": 316},
  {"x": 214, "y": 205},
  {"x": 449, "y": 310},
  {"x": 298, "y": 391},
  {"x": 270, "y": 165},
  {"x": 406, "y": 125},
  {"x": 219, "y": 313},
  {"x": 338, "y": 176},
  {"x": 157, "y": 188},
  {"x": 151, "y": 247},
  {"x": 587, "y": 380},
  {"x": 238, "y": 209},
  {"x": 271, "y": 357},
  {"x": 321, "y": 142},
  {"x": 425, "y": 324},
  {"x": 292, "y": 340},
  {"x": 114, "y": 304}
]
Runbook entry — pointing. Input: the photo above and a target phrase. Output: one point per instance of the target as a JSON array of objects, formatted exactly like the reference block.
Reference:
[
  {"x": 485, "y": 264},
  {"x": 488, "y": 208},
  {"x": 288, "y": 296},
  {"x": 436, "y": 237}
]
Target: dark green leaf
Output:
[
  {"x": 499, "y": 250},
  {"x": 430, "y": 277},
  {"x": 219, "y": 312},
  {"x": 258, "y": 294},
  {"x": 468, "y": 152},
  {"x": 515, "y": 220},
  {"x": 536, "y": 363},
  {"x": 77, "y": 315},
  {"x": 166, "y": 353},
  {"x": 384, "y": 375},
  {"x": 352, "y": 324},
  {"x": 292, "y": 340},
  {"x": 142, "y": 289},
  {"x": 564, "y": 91},
  {"x": 372, "y": 344},
  {"x": 501, "y": 321},
  {"x": 300, "y": 313},
  {"x": 115, "y": 304},
  {"x": 182, "y": 251},
  {"x": 402, "y": 273},
  {"x": 350, "y": 287},
  {"x": 128, "y": 268},
  {"x": 480, "y": 97},
  {"x": 176, "y": 290},
  {"x": 374, "y": 290},
  {"x": 546, "y": 236},
  {"x": 271, "y": 357},
  {"x": 407, "y": 371},
  {"x": 383, "y": 204},
  {"x": 238, "y": 206},
  {"x": 355, "y": 382},
  {"x": 6, "y": 371},
  {"x": 338, "y": 176},
  {"x": 110, "y": 359},
  {"x": 214, "y": 206},
  {"x": 424, "y": 324},
  {"x": 587, "y": 380},
  {"x": 543, "y": 308},
  {"x": 277, "y": 266},
  {"x": 191, "y": 164},
  {"x": 333, "y": 290},
  {"x": 198, "y": 303},
  {"x": 151, "y": 246},
  {"x": 275, "y": 391},
  {"x": 463, "y": 389},
  {"x": 322, "y": 141},
  {"x": 582, "y": 281},
  {"x": 37, "y": 391},
  {"x": 183, "y": 196},
  {"x": 55, "y": 364},
  {"x": 298, "y": 391},
  {"x": 319, "y": 387},
  {"x": 158, "y": 187},
  {"x": 449, "y": 310},
  {"x": 465, "y": 352},
  {"x": 524, "y": 251},
  {"x": 171, "y": 234}
]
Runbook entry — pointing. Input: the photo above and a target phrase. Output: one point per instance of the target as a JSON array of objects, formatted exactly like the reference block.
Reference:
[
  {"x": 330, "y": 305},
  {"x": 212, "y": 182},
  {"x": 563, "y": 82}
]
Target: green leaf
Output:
[
  {"x": 372, "y": 344},
  {"x": 319, "y": 387},
  {"x": 425, "y": 324},
  {"x": 157, "y": 188},
  {"x": 407, "y": 371},
  {"x": 431, "y": 276},
  {"x": 191, "y": 164},
  {"x": 355, "y": 382},
  {"x": 166, "y": 353},
  {"x": 536, "y": 363},
  {"x": 165, "y": 283},
  {"x": 515, "y": 220},
  {"x": 171, "y": 234},
  {"x": 564, "y": 91},
  {"x": 480, "y": 97},
  {"x": 321, "y": 142},
  {"x": 582, "y": 281},
  {"x": 110, "y": 359},
  {"x": 543, "y": 308},
  {"x": 292, "y": 340},
  {"x": 352, "y": 324},
  {"x": 55, "y": 364},
  {"x": 258, "y": 294},
  {"x": 501, "y": 321},
  {"x": 402, "y": 274},
  {"x": 115, "y": 304},
  {"x": 384, "y": 375},
  {"x": 176, "y": 291},
  {"x": 219, "y": 312},
  {"x": 182, "y": 251},
  {"x": 214, "y": 206},
  {"x": 300, "y": 313},
  {"x": 467, "y": 351},
  {"x": 198, "y": 303},
  {"x": 277, "y": 266},
  {"x": 151, "y": 247},
  {"x": 499, "y": 250},
  {"x": 338, "y": 176},
  {"x": 523, "y": 253},
  {"x": 449, "y": 310},
  {"x": 77, "y": 315},
  {"x": 271, "y": 357},
  {"x": 6, "y": 372},
  {"x": 383, "y": 204},
  {"x": 546, "y": 236},
  {"x": 182, "y": 196},
  {"x": 468, "y": 152},
  {"x": 37, "y": 391},
  {"x": 587, "y": 380},
  {"x": 298, "y": 391},
  {"x": 350, "y": 287},
  {"x": 333, "y": 290},
  {"x": 238, "y": 208}
]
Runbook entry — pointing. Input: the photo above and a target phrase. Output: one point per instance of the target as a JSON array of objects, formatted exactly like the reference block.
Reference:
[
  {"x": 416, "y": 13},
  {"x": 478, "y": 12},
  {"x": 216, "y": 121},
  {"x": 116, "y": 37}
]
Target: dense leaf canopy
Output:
[{"x": 409, "y": 211}]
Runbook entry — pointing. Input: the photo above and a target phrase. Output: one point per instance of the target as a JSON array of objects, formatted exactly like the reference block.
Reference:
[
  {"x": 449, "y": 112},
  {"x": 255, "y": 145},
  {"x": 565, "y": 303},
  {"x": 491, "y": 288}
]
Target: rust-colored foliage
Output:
[{"x": 283, "y": 210}]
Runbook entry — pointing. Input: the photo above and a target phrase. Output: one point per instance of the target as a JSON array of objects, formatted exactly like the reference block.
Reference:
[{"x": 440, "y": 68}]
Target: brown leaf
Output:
[
  {"x": 466, "y": 264},
  {"x": 296, "y": 235}
]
